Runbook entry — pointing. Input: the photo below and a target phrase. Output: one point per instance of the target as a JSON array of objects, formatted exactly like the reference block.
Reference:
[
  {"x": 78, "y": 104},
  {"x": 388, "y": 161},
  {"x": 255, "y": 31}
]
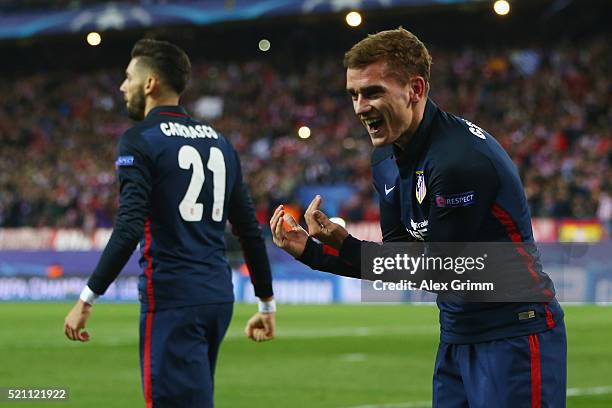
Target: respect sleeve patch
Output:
[
  {"x": 455, "y": 200},
  {"x": 124, "y": 161}
]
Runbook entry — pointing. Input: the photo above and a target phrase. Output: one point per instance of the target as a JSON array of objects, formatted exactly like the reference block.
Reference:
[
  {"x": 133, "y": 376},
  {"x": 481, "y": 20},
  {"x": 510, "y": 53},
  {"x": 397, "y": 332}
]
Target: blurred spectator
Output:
[{"x": 604, "y": 212}]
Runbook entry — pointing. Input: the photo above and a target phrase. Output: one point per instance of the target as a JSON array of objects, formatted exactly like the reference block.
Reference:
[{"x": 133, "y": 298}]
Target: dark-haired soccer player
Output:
[
  {"x": 180, "y": 181},
  {"x": 441, "y": 178}
]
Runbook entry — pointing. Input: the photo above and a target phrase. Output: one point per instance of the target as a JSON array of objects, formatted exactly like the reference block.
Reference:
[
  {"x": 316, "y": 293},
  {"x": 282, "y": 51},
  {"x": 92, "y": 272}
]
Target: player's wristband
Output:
[
  {"x": 88, "y": 296},
  {"x": 267, "y": 306}
]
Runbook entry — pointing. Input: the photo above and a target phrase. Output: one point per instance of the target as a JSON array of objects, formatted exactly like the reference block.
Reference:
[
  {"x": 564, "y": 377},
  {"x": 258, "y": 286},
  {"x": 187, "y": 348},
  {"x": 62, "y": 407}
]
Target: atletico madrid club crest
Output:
[{"x": 421, "y": 189}]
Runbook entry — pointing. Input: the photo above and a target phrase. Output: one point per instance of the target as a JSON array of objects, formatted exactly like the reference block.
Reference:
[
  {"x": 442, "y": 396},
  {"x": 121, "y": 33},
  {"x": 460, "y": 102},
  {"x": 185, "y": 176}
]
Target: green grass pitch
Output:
[{"x": 344, "y": 356}]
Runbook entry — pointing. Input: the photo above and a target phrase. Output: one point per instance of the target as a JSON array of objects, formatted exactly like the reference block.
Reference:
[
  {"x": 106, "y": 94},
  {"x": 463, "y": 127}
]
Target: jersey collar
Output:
[
  {"x": 417, "y": 143},
  {"x": 168, "y": 110}
]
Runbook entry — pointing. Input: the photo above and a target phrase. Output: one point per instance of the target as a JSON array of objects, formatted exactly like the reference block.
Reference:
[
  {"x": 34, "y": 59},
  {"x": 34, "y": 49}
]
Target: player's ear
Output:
[
  {"x": 418, "y": 88},
  {"x": 151, "y": 85}
]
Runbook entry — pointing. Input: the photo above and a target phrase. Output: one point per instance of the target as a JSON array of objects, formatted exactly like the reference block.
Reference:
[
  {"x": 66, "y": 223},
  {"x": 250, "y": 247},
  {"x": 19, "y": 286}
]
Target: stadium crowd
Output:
[{"x": 551, "y": 108}]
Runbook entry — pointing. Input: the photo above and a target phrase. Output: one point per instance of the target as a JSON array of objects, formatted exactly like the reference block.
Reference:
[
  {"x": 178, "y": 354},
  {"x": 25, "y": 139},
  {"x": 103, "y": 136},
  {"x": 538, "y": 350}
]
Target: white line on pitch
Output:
[
  {"x": 577, "y": 392},
  {"x": 352, "y": 357}
]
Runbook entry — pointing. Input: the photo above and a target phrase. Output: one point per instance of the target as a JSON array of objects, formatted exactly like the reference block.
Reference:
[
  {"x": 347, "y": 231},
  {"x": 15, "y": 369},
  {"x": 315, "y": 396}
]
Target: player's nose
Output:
[{"x": 361, "y": 105}]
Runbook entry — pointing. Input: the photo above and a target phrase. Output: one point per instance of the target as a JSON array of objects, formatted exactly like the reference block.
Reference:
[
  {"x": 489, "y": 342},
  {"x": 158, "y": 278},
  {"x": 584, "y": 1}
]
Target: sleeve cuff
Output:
[
  {"x": 268, "y": 306},
  {"x": 88, "y": 296},
  {"x": 310, "y": 251}
]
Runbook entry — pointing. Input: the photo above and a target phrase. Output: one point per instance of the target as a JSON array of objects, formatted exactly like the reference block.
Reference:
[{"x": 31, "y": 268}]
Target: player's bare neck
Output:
[{"x": 164, "y": 100}]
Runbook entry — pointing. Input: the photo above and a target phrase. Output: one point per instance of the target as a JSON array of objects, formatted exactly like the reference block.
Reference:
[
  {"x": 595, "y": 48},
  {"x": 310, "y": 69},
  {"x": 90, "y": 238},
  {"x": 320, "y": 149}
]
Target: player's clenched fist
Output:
[
  {"x": 261, "y": 327},
  {"x": 75, "y": 321},
  {"x": 287, "y": 233},
  {"x": 320, "y": 227}
]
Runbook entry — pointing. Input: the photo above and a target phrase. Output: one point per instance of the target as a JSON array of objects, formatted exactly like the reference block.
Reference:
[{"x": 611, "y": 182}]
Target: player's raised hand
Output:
[
  {"x": 261, "y": 327},
  {"x": 287, "y": 234},
  {"x": 74, "y": 323},
  {"x": 320, "y": 227}
]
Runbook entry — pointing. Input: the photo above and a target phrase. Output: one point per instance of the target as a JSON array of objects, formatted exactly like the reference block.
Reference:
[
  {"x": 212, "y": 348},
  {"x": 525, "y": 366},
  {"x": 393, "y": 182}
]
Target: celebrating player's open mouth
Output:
[{"x": 373, "y": 125}]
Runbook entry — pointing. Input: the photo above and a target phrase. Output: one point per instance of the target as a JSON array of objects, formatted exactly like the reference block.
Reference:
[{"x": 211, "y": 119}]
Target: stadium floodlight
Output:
[
  {"x": 94, "y": 38},
  {"x": 264, "y": 45},
  {"x": 501, "y": 7},
  {"x": 304, "y": 132},
  {"x": 353, "y": 19}
]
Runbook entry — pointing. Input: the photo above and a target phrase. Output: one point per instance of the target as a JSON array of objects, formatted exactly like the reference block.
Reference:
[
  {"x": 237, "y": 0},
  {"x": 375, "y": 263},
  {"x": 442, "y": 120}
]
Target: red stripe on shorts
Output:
[
  {"x": 536, "y": 372},
  {"x": 148, "y": 390}
]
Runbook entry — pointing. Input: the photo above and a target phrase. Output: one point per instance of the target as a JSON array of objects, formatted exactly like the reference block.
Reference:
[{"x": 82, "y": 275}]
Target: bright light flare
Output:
[
  {"x": 353, "y": 19},
  {"x": 501, "y": 7},
  {"x": 264, "y": 45},
  {"x": 94, "y": 39},
  {"x": 304, "y": 132}
]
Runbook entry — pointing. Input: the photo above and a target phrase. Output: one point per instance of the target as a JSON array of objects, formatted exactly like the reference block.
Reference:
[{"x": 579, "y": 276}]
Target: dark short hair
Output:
[
  {"x": 403, "y": 52},
  {"x": 167, "y": 60}
]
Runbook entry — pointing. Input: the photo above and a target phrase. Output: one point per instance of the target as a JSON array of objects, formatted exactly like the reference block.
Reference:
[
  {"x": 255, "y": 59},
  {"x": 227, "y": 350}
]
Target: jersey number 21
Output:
[{"x": 190, "y": 209}]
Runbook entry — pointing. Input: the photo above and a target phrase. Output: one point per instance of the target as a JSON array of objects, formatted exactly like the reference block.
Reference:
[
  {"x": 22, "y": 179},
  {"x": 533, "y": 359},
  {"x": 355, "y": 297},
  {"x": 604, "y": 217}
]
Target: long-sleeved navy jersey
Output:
[
  {"x": 453, "y": 182},
  {"x": 180, "y": 181}
]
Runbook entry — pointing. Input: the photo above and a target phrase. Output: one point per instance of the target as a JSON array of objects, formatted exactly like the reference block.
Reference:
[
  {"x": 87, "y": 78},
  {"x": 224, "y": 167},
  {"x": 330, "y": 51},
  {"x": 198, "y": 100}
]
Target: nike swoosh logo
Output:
[{"x": 387, "y": 191}]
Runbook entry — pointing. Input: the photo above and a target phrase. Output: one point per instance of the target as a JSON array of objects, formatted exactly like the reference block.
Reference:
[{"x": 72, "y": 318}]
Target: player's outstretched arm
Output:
[
  {"x": 75, "y": 321},
  {"x": 320, "y": 227},
  {"x": 262, "y": 325}
]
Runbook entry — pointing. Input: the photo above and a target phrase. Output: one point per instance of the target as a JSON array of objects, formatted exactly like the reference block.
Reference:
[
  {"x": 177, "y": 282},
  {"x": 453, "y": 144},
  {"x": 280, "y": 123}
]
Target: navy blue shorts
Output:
[
  {"x": 178, "y": 352},
  {"x": 520, "y": 372}
]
